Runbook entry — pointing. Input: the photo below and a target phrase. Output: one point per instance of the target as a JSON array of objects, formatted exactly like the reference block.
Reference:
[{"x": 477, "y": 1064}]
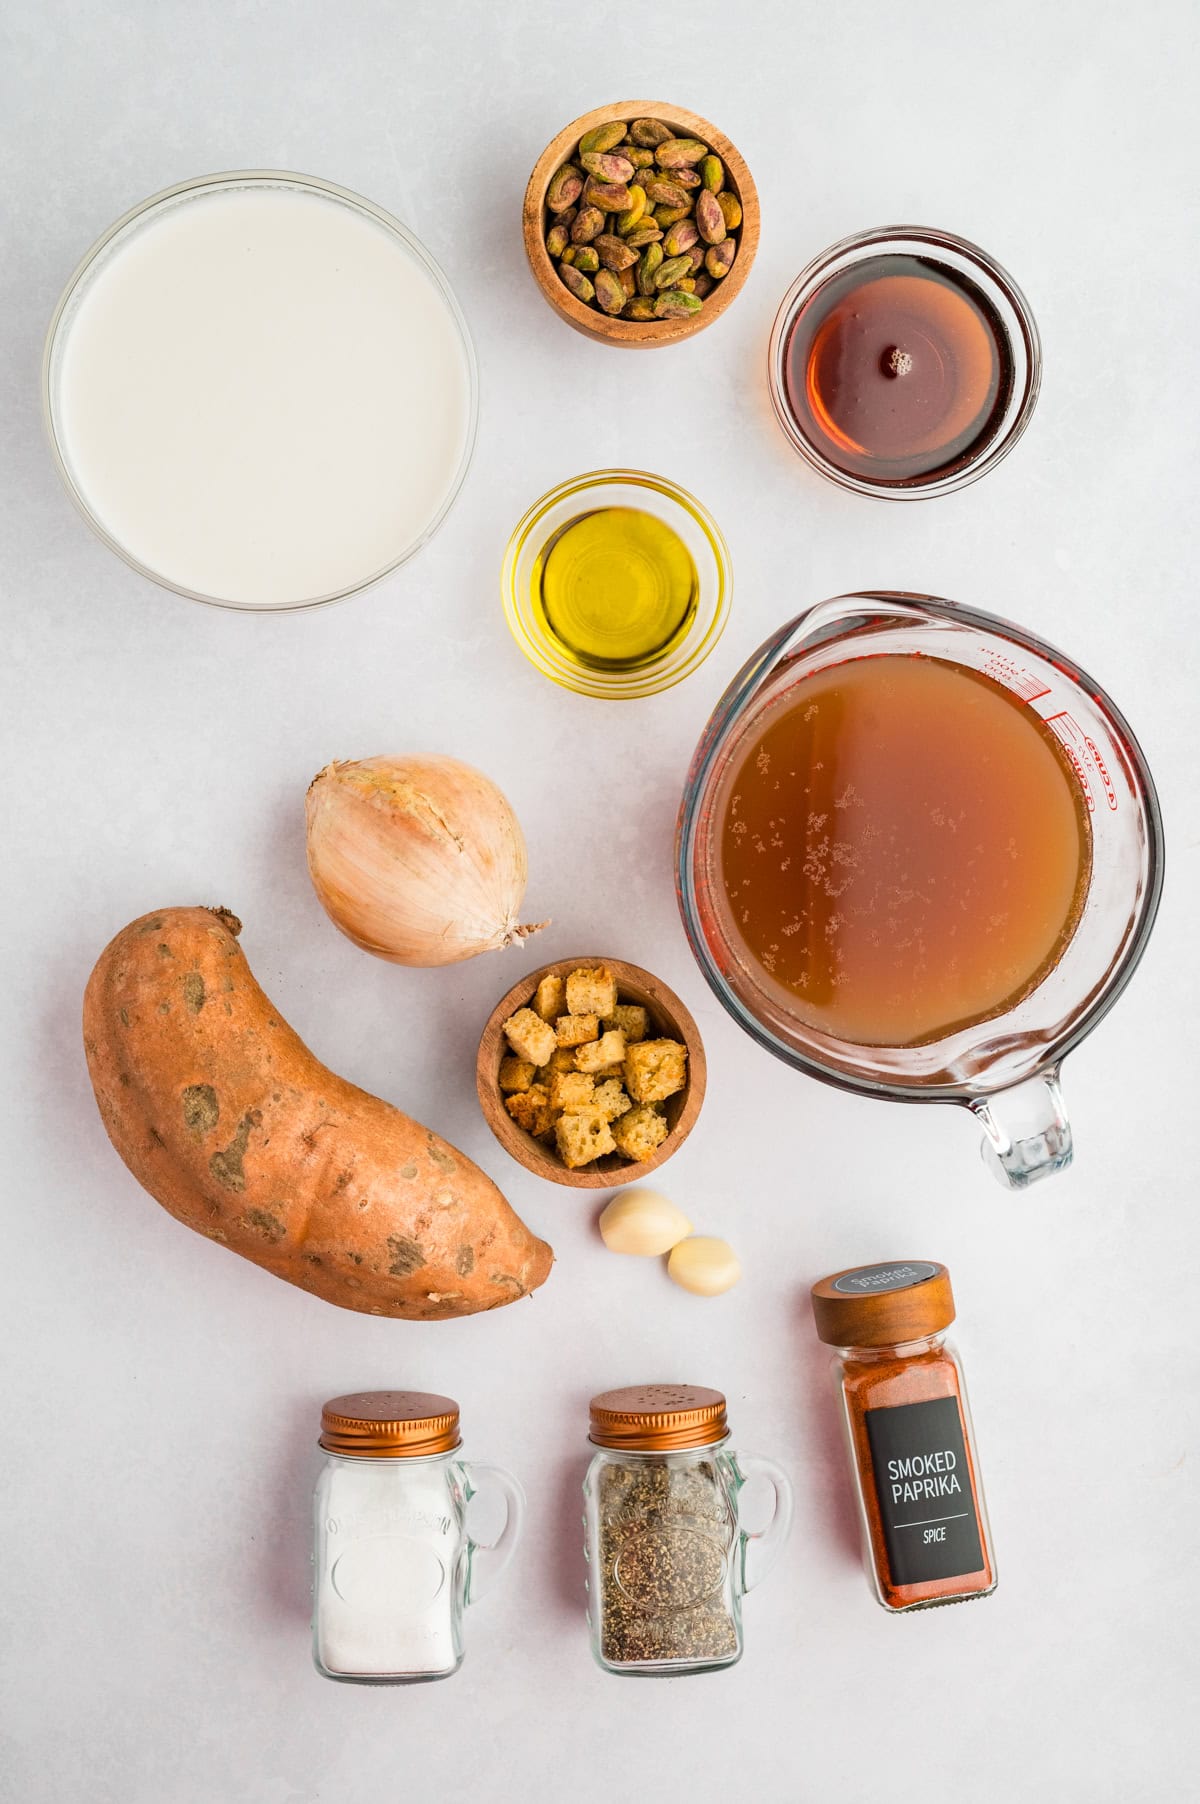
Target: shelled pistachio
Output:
[
  {"x": 607, "y": 167},
  {"x": 579, "y": 285},
  {"x": 648, "y": 265},
  {"x": 587, "y": 224},
  {"x": 710, "y": 221},
  {"x": 564, "y": 189},
  {"x": 602, "y": 137},
  {"x": 680, "y": 238},
  {"x": 633, "y": 212},
  {"x": 610, "y": 295},
  {"x": 718, "y": 259},
  {"x": 613, "y": 252}
]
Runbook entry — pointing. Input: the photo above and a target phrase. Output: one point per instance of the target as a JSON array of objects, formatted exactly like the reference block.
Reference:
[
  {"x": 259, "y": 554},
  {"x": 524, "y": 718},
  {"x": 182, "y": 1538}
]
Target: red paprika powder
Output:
[{"x": 916, "y": 1471}]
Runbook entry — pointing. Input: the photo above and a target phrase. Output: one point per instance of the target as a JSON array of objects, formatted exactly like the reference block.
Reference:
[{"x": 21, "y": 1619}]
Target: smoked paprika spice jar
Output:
[{"x": 925, "y": 1530}]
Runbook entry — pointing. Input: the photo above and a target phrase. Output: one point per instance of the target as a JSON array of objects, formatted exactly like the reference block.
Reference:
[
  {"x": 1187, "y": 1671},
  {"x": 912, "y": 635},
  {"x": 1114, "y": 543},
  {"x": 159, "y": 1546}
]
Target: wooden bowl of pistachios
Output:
[{"x": 641, "y": 222}]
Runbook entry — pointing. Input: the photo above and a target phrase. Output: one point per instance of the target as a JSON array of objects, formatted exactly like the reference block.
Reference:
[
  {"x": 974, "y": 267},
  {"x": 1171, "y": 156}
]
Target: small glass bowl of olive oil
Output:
[{"x": 617, "y": 584}]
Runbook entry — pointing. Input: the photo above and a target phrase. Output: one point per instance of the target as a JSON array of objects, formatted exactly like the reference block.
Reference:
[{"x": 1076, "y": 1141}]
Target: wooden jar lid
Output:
[{"x": 883, "y": 1305}]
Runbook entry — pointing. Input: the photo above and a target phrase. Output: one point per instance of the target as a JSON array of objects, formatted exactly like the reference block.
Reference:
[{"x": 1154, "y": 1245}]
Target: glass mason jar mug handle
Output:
[
  {"x": 491, "y": 1557},
  {"x": 759, "y": 1548}
]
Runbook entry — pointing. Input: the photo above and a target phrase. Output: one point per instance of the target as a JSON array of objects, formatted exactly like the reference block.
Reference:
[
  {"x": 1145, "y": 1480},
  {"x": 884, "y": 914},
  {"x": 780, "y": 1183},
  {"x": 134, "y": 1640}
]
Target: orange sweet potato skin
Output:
[{"x": 221, "y": 1112}]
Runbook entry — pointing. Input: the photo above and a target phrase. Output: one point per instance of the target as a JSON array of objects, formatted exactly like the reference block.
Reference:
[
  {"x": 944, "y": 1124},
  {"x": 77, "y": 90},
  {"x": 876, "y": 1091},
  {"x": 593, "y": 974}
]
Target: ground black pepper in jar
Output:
[{"x": 668, "y": 1558}]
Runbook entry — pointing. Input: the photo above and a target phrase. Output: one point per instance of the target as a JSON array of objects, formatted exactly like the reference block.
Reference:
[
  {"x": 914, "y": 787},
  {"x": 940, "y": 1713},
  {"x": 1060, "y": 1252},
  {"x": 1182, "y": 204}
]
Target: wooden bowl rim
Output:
[
  {"x": 638, "y": 334},
  {"x": 522, "y": 1147}
]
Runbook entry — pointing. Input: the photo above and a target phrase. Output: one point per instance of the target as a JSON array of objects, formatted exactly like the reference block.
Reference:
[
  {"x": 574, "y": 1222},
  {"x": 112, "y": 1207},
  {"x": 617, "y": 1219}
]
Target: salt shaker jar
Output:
[
  {"x": 925, "y": 1530},
  {"x": 668, "y": 1558},
  {"x": 394, "y": 1566}
]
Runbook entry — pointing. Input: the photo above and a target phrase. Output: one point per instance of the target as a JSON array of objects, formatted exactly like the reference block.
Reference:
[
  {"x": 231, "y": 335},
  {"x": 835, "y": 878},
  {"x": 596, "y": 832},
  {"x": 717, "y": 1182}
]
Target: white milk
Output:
[{"x": 262, "y": 395}]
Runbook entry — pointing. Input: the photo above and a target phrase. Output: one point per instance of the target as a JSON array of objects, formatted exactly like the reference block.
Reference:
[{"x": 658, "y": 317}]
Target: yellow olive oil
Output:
[{"x": 615, "y": 588}]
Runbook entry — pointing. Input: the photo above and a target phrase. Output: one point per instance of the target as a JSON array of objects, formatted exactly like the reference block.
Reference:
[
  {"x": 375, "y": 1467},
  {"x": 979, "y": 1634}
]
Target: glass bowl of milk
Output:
[{"x": 260, "y": 390}]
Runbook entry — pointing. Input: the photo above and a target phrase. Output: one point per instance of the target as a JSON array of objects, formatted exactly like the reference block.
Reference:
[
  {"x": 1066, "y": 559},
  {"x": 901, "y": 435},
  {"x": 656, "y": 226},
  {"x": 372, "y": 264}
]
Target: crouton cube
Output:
[
  {"x": 531, "y": 1109},
  {"x": 561, "y": 1059},
  {"x": 549, "y": 999},
  {"x": 617, "y": 1070},
  {"x": 582, "y": 1136},
  {"x": 571, "y": 1090},
  {"x": 529, "y": 1036},
  {"x": 611, "y": 1098},
  {"x": 632, "y": 1019},
  {"x": 639, "y": 1131},
  {"x": 516, "y": 1074},
  {"x": 655, "y": 1069},
  {"x": 577, "y": 1030},
  {"x": 591, "y": 991},
  {"x": 607, "y": 1050}
]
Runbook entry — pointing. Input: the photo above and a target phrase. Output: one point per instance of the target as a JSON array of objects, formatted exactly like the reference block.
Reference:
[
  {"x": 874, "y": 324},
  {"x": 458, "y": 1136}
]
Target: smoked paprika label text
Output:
[{"x": 923, "y": 1486}]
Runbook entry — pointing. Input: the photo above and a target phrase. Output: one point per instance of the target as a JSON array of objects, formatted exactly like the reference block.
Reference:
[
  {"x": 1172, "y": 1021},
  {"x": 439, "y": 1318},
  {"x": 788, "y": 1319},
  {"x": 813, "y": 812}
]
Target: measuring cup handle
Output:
[{"x": 1027, "y": 1134}]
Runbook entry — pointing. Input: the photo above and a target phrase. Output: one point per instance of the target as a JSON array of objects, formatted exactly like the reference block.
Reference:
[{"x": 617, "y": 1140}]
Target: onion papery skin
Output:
[{"x": 418, "y": 860}]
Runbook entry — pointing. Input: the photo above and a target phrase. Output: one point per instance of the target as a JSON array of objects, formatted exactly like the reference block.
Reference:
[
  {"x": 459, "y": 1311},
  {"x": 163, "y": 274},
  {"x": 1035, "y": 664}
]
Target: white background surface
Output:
[{"x": 161, "y": 1395}]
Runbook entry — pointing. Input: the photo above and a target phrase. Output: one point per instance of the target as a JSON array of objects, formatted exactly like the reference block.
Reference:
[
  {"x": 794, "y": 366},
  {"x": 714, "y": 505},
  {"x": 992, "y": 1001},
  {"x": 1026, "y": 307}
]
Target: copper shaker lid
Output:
[
  {"x": 389, "y": 1424},
  {"x": 647, "y": 1418}
]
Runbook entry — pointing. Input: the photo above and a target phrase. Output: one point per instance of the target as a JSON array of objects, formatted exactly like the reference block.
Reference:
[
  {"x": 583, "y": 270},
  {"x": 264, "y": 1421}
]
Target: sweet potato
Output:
[{"x": 221, "y": 1112}]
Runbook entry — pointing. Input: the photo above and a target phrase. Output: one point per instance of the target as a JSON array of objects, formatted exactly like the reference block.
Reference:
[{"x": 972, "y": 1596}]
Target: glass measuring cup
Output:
[{"x": 1006, "y": 1068}]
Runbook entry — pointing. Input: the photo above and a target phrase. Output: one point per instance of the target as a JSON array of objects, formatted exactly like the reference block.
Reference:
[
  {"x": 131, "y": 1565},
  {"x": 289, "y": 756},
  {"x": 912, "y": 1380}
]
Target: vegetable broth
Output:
[{"x": 904, "y": 849}]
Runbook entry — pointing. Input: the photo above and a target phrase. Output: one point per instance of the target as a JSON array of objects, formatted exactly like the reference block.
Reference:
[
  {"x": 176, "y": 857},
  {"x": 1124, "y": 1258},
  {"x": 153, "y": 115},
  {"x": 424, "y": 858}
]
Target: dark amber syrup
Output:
[{"x": 898, "y": 370}]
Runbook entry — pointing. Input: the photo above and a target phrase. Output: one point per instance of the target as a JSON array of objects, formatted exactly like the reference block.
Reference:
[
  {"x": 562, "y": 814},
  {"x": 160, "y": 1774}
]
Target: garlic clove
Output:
[
  {"x": 704, "y": 1265},
  {"x": 642, "y": 1221}
]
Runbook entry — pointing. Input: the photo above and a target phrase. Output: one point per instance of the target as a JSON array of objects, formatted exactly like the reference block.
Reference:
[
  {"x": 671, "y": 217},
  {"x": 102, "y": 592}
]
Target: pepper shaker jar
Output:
[
  {"x": 394, "y": 1565},
  {"x": 926, "y": 1539},
  {"x": 668, "y": 1558}
]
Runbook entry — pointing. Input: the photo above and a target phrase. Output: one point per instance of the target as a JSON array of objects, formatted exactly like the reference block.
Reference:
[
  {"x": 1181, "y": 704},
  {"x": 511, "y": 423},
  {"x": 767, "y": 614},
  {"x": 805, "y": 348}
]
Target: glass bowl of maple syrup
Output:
[
  {"x": 919, "y": 855},
  {"x": 904, "y": 362}
]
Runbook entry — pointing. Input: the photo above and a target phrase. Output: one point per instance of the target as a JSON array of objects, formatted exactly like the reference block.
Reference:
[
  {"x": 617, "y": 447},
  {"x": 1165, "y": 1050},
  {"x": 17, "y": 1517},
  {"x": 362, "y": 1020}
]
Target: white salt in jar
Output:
[{"x": 394, "y": 1563}]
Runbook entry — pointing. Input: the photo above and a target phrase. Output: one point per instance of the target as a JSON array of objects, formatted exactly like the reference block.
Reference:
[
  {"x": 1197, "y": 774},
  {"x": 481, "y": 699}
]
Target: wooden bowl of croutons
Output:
[{"x": 590, "y": 1072}]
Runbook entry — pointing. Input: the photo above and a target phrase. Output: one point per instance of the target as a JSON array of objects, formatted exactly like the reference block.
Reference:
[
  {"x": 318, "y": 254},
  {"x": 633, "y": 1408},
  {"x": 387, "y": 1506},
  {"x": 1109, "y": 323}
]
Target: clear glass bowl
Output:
[
  {"x": 1009, "y": 306},
  {"x": 183, "y": 194},
  {"x": 585, "y": 494}
]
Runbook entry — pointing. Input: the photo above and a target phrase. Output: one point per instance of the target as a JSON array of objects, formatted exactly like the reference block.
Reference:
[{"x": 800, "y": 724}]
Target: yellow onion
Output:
[{"x": 419, "y": 860}]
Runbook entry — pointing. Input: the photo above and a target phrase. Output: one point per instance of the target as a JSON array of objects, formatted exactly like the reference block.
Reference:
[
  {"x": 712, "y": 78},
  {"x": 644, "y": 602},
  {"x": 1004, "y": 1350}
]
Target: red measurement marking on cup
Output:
[
  {"x": 1079, "y": 745},
  {"x": 1110, "y": 793},
  {"x": 1014, "y": 676}
]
